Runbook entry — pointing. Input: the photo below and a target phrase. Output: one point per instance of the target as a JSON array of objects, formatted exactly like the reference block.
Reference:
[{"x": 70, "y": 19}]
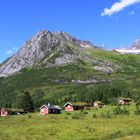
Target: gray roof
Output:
[{"x": 52, "y": 106}]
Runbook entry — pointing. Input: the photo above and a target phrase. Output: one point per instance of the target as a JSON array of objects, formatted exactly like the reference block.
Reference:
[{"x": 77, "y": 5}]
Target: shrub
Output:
[
  {"x": 69, "y": 113},
  {"x": 121, "y": 110},
  {"x": 79, "y": 115},
  {"x": 137, "y": 112},
  {"x": 106, "y": 114},
  {"x": 116, "y": 134},
  {"x": 95, "y": 115}
]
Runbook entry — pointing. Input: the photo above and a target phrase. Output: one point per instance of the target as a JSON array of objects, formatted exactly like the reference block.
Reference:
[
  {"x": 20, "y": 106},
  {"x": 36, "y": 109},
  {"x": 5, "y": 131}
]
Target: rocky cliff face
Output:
[{"x": 45, "y": 49}]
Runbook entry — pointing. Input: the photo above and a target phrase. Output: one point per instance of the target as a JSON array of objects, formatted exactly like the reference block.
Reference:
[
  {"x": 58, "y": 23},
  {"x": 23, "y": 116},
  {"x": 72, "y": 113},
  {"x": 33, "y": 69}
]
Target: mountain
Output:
[
  {"x": 134, "y": 49},
  {"x": 136, "y": 44},
  {"x": 56, "y": 67},
  {"x": 45, "y": 49}
]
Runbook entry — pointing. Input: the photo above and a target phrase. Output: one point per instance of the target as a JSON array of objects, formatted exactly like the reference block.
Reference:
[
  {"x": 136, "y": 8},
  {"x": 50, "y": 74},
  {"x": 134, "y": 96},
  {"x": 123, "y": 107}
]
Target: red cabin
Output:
[
  {"x": 44, "y": 110},
  {"x": 124, "y": 101},
  {"x": 68, "y": 106},
  {"x": 4, "y": 112},
  {"x": 50, "y": 109}
]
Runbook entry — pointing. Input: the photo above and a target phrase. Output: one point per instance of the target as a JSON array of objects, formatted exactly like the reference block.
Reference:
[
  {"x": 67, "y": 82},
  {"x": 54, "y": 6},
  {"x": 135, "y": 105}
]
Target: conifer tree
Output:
[{"x": 27, "y": 103}]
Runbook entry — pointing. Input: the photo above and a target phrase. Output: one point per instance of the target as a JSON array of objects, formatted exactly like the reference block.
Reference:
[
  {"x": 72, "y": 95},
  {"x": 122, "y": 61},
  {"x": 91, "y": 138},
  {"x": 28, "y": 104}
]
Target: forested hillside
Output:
[{"x": 78, "y": 81}]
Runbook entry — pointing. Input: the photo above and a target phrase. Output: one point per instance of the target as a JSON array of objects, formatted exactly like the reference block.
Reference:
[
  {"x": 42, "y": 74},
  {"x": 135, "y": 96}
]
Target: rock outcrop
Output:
[{"x": 45, "y": 49}]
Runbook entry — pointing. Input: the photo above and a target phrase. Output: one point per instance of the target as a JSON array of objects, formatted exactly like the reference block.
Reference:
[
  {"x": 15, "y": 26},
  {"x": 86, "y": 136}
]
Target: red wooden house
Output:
[
  {"x": 50, "y": 109},
  {"x": 3, "y": 112},
  {"x": 125, "y": 101},
  {"x": 68, "y": 106},
  {"x": 44, "y": 110},
  {"x": 11, "y": 111}
]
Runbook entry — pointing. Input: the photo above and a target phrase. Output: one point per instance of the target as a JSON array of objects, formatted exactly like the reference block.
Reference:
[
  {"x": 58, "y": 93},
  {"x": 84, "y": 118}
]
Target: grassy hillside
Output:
[
  {"x": 94, "y": 124},
  {"x": 58, "y": 84}
]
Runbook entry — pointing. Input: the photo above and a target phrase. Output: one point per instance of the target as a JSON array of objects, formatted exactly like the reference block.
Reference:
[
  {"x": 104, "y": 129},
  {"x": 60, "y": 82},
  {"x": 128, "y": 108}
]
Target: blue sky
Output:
[{"x": 109, "y": 23}]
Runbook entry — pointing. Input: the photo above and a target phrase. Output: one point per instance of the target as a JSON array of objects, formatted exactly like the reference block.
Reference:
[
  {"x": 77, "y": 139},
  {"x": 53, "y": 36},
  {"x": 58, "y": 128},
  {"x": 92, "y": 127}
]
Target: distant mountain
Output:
[
  {"x": 46, "y": 49},
  {"x": 136, "y": 44},
  {"x": 134, "y": 49}
]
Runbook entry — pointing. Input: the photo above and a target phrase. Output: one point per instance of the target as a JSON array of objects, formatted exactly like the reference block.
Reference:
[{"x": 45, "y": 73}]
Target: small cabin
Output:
[
  {"x": 80, "y": 105},
  {"x": 50, "y": 109},
  {"x": 3, "y": 112},
  {"x": 11, "y": 111},
  {"x": 68, "y": 106},
  {"x": 98, "y": 104},
  {"x": 125, "y": 101}
]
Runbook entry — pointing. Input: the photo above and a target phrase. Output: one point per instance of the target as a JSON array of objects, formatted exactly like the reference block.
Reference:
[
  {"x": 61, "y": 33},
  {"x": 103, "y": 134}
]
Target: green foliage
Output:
[
  {"x": 79, "y": 115},
  {"x": 27, "y": 103},
  {"x": 121, "y": 110},
  {"x": 116, "y": 134},
  {"x": 106, "y": 114},
  {"x": 55, "y": 84},
  {"x": 95, "y": 115},
  {"x": 137, "y": 108}
]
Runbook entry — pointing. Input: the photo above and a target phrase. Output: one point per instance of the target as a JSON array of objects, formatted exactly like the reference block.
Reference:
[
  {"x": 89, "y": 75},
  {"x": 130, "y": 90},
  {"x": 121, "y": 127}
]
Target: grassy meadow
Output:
[{"x": 93, "y": 124}]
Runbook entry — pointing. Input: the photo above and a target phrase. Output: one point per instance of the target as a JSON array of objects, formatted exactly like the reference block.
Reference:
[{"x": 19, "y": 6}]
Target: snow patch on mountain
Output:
[
  {"x": 128, "y": 51},
  {"x": 134, "y": 49}
]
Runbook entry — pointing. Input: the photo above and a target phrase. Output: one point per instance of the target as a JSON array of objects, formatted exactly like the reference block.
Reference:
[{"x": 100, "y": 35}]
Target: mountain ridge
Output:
[{"x": 44, "y": 44}]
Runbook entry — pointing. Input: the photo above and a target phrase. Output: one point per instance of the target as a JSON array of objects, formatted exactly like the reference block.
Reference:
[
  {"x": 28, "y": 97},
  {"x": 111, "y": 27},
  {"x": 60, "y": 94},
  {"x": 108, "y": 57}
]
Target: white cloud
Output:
[
  {"x": 11, "y": 51},
  {"x": 118, "y": 6}
]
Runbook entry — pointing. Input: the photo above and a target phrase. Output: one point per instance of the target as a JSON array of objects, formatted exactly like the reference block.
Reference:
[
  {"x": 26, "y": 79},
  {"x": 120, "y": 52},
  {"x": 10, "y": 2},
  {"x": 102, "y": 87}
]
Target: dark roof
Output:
[
  {"x": 13, "y": 109},
  {"x": 126, "y": 99}
]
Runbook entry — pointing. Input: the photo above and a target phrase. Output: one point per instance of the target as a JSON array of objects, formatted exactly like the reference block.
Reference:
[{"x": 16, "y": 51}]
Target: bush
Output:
[
  {"x": 121, "y": 110},
  {"x": 116, "y": 134},
  {"x": 95, "y": 115},
  {"x": 106, "y": 114},
  {"x": 79, "y": 115},
  {"x": 112, "y": 101},
  {"x": 69, "y": 113},
  {"x": 137, "y": 112}
]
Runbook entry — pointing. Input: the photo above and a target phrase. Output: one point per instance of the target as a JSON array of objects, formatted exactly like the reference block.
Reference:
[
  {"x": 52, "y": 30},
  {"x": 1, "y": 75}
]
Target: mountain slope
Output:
[
  {"x": 78, "y": 81},
  {"x": 47, "y": 49}
]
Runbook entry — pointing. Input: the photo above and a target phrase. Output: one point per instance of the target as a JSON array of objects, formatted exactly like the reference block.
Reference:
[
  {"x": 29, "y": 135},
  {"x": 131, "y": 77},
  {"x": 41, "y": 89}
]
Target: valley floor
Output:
[{"x": 97, "y": 124}]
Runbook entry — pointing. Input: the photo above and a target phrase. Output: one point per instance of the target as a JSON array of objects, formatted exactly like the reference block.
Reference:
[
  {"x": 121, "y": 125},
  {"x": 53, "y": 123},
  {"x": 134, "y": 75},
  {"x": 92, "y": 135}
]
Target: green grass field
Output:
[{"x": 95, "y": 124}]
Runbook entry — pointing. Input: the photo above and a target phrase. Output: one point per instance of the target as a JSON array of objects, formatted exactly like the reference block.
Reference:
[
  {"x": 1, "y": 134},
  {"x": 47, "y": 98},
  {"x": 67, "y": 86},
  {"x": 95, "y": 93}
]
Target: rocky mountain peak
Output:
[
  {"x": 136, "y": 44},
  {"x": 45, "y": 49}
]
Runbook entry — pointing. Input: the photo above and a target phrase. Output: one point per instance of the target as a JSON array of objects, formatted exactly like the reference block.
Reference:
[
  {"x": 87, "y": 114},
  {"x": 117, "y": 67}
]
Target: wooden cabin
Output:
[
  {"x": 11, "y": 111},
  {"x": 98, "y": 104},
  {"x": 3, "y": 112},
  {"x": 124, "y": 101},
  {"x": 68, "y": 106},
  {"x": 80, "y": 105},
  {"x": 50, "y": 109}
]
